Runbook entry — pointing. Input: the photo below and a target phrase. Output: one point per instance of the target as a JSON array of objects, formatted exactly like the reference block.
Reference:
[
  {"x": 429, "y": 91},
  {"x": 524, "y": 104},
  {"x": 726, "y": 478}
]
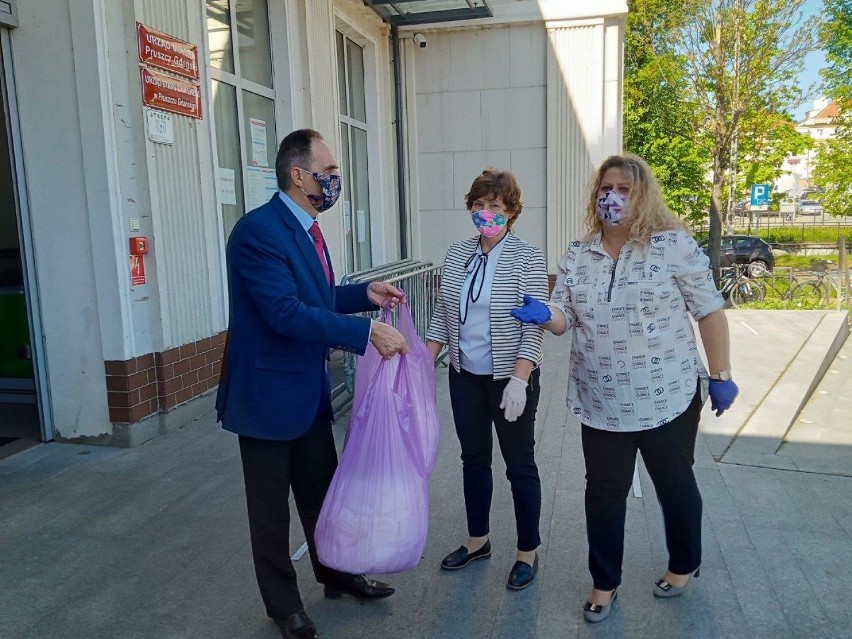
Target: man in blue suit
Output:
[{"x": 286, "y": 313}]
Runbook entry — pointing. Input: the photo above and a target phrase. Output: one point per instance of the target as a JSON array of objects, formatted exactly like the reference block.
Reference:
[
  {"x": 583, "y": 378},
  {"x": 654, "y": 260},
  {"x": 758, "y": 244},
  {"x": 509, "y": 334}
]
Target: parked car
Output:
[
  {"x": 749, "y": 250},
  {"x": 810, "y": 207}
]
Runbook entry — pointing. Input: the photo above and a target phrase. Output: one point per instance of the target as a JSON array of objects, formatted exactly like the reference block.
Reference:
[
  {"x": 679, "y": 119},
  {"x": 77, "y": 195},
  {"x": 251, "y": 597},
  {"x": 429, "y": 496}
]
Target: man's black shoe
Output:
[
  {"x": 462, "y": 557},
  {"x": 359, "y": 587},
  {"x": 297, "y": 626}
]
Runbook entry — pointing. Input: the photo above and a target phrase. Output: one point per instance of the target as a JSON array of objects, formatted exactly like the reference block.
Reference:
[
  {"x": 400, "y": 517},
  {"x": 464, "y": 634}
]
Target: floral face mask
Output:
[{"x": 489, "y": 223}]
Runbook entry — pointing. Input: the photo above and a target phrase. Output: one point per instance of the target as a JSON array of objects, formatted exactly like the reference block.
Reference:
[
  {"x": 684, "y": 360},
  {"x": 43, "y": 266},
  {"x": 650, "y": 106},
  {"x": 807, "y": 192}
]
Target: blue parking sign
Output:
[{"x": 760, "y": 194}]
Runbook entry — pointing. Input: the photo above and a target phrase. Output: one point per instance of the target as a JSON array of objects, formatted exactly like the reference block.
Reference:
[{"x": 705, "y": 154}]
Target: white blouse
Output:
[
  {"x": 475, "y": 312},
  {"x": 635, "y": 363}
]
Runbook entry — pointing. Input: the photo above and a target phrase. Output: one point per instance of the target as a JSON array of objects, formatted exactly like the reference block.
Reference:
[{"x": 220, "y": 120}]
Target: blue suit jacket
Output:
[{"x": 284, "y": 318}]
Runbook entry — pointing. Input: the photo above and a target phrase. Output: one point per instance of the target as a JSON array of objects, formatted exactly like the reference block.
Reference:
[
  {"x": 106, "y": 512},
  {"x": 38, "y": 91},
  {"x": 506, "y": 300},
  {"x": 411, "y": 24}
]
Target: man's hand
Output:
[
  {"x": 384, "y": 295},
  {"x": 387, "y": 340}
]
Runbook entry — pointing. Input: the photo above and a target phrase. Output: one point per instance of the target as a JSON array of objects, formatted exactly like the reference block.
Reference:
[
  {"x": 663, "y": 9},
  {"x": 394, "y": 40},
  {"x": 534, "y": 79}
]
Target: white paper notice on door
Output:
[
  {"x": 227, "y": 185},
  {"x": 261, "y": 185},
  {"x": 258, "y": 142},
  {"x": 362, "y": 226},
  {"x": 347, "y": 216}
]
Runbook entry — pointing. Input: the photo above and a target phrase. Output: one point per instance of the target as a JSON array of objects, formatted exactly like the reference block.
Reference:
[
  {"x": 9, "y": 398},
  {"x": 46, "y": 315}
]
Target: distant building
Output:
[{"x": 819, "y": 124}]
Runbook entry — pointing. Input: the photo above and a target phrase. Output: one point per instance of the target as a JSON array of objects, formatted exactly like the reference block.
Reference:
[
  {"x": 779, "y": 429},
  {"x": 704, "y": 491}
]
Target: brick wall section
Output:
[{"x": 157, "y": 382}]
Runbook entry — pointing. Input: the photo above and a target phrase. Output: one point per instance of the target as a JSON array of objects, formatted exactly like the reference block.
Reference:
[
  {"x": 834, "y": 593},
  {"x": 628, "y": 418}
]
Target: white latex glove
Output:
[{"x": 514, "y": 398}]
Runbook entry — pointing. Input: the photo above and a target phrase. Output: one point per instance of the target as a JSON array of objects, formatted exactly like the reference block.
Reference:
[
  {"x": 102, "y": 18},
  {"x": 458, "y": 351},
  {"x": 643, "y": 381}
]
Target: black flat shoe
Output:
[
  {"x": 358, "y": 586},
  {"x": 298, "y": 626},
  {"x": 522, "y": 574},
  {"x": 460, "y": 558}
]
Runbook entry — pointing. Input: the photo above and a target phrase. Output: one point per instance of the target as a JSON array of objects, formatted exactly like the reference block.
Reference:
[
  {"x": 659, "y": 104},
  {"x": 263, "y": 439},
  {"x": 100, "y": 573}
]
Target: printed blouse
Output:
[{"x": 635, "y": 363}]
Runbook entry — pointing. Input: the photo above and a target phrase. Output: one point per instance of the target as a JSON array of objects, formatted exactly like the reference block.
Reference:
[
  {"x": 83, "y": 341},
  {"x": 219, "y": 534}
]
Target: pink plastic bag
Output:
[{"x": 376, "y": 514}]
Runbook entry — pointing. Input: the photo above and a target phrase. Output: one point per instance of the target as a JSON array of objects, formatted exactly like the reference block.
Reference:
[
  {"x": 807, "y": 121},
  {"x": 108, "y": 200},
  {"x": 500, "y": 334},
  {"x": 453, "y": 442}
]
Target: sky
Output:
[{"x": 813, "y": 63}]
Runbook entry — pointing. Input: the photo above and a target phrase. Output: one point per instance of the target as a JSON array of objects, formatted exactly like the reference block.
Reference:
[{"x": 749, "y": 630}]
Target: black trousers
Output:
[
  {"x": 270, "y": 468},
  {"x": 668, "y": 452},
  {"x": 476, "y": 401}
]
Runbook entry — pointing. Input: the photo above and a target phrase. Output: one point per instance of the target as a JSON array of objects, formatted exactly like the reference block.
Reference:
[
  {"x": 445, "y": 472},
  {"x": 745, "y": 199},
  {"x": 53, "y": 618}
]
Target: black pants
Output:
[
  {"x": 668, "y": 452},
  {"x": 270, "y": 468},
  {"x": 476, "y": 404}
]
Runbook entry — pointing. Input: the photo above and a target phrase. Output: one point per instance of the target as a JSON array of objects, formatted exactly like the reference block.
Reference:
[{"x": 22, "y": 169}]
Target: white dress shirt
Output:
[{"x": 635, "y": 364}]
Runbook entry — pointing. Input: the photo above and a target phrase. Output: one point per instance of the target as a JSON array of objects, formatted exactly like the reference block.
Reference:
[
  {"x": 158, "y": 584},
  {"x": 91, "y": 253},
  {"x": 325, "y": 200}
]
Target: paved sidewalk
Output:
[{"x": 152, "y": 542}]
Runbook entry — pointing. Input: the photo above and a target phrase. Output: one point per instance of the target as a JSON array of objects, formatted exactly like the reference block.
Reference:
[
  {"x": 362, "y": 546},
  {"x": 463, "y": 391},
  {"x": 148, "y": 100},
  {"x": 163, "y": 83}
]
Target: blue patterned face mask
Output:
[
  {"x": 612, "y": 208},
  {"x": 331, "y": 186}
]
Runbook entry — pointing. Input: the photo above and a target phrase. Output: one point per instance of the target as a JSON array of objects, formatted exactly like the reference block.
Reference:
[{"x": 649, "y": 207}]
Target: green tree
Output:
[
  {"x": 765, "y": 140},
  {"x": 657, "y": 116},
  {"x": 741, "y": 61},
  {"x": 833, "y": 170}
]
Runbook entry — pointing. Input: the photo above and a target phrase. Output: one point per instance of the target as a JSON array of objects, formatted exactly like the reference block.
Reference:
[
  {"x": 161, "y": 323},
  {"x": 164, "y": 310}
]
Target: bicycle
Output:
[
  {"x": 738, "y": 288},
  {"x": 779, "y": 283},
  {"x": 820, "y": 287}
]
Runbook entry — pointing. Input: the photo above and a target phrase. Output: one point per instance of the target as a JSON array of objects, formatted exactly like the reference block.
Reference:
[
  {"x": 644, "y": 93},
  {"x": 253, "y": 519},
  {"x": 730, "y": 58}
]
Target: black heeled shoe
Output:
[
  {"x": 522, "y": 574},
  {"x": 460, "y": 558},
  {"x": 664, "y": 590}
]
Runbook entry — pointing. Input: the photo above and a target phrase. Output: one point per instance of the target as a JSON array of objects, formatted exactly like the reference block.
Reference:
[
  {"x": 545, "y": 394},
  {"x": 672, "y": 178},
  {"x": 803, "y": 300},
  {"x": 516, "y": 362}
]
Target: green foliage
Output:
[
  {"x": 803, "y": 261},
  {"x": 794, "y": 234},
  {"x": 803, "y": 234},
  {"x": 836, "y": 33},
  {"x": 833, "y": 171},
  {"x": 778, "y": 304},
  {"x": 657, "y": 118},
  {"x": 700, "y": 74}
]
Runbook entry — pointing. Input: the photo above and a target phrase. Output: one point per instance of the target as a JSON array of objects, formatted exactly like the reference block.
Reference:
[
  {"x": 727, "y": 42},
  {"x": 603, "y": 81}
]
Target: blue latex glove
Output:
[
  {"x": 722, "y": 395},
  {"x": 532, "y": 312}
]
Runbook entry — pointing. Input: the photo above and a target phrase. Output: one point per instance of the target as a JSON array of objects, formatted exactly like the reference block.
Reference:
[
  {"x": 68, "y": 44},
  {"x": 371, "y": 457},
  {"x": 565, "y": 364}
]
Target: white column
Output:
[
  {"x": 324, "y": 109},
  {"x": 583, "y": 120}
]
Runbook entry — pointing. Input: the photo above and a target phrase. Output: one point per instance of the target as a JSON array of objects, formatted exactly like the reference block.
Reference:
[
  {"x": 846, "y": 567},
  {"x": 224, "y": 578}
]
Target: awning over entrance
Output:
[{"x": 403, "y": 13}]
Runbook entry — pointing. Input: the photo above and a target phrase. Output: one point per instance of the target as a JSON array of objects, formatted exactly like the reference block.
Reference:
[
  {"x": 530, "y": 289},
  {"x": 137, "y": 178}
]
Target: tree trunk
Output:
[{"x": 714, "y": 245}]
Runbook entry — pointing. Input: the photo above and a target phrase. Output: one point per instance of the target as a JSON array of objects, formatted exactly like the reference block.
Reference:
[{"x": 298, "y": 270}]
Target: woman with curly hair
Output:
[
  {"x": 637, "y": 382},
  {"x": 494, "y": 375}
]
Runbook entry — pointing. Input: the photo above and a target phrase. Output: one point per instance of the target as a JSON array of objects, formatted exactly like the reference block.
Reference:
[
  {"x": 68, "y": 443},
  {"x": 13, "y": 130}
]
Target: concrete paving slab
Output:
[
  {"x": 762, "y": 433},
  {"x": 153, "y": 542}
]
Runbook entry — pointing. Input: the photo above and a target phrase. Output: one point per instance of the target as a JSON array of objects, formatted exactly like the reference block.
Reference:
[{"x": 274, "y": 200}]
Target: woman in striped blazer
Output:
[{"x": 494, "y": 375}]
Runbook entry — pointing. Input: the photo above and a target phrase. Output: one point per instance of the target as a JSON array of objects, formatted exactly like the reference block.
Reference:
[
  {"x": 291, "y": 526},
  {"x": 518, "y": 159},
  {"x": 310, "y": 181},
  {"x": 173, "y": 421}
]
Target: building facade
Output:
[
  {"x": 138, "y": 131},
  {"x": 820, "y": 125}
]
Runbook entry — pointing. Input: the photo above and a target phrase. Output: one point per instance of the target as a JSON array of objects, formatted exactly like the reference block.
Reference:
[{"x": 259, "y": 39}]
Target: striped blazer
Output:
[{"x": 520, "y": 271}]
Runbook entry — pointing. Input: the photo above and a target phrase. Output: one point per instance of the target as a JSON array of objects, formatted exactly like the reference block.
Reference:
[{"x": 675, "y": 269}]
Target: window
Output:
[
  {"x": 744, "y": 243},
  {"x": 727, "y": 243},
  {"x": 243, "y": 105},
  {"x": 353, "y": 153}
]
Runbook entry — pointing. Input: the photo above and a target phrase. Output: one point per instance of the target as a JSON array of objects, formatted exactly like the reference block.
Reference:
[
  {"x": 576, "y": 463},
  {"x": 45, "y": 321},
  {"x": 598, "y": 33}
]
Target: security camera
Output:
[{"x": 420, "y": 40}]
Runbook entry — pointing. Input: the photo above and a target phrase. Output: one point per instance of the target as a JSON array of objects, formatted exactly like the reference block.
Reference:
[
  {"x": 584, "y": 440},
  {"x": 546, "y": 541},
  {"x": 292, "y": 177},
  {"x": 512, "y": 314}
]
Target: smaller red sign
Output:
[
  {"x": 165, "y": 52},
  {"x": 137, "y": 270},
  {"x": 167, "y": 93}
]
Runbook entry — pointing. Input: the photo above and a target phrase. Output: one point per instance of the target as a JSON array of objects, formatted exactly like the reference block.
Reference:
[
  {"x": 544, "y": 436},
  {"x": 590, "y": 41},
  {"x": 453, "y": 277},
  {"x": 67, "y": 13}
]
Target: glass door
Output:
[{"x": 24, "y": 406}]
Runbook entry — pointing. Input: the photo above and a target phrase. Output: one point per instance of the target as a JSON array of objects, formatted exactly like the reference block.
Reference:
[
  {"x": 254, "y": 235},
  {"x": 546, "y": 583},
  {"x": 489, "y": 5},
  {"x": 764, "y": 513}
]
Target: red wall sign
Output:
[
  {"x": 167, "y": 93},
  {"x": 165, "y": 52},
  {"x": 137, "y": 270}
]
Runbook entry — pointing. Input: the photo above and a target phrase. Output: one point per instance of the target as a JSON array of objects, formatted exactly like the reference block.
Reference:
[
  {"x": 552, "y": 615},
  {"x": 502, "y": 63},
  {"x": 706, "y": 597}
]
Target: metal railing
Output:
[{"x": 420, "y": 282}]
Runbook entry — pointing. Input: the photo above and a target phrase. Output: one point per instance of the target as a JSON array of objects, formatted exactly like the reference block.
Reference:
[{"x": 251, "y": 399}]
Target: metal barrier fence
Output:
[{"x": 420, "y": 282}]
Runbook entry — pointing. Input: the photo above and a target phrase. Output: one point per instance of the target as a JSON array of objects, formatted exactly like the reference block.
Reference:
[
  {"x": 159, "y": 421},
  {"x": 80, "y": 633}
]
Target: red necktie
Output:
[{"x": 319, "y": 246}]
